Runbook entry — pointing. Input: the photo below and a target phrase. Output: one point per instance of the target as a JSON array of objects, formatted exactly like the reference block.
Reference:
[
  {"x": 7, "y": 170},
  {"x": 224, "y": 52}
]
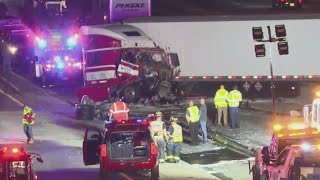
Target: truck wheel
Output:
[
  {"x": 155, "y": 173},
  {"x": 85, "y": 112},
  {"x": 131, "y": 94},
  {"x": 104, "y": 173}
]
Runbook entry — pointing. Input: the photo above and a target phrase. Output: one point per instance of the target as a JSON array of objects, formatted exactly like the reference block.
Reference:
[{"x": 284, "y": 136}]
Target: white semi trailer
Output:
[{"x": 220, "y": 50}]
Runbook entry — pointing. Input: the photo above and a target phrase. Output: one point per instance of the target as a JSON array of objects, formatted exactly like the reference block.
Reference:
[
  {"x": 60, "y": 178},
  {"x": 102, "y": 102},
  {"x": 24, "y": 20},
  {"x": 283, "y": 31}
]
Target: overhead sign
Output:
[
  {"x": 258, "y": 86},
  {"x": 246, "y": 86},
  {"x": 120, "y": 10}
]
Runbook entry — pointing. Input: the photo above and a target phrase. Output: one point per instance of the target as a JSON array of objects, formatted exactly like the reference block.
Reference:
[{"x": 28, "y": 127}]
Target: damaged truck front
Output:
[{"x": 122, "y": 61}]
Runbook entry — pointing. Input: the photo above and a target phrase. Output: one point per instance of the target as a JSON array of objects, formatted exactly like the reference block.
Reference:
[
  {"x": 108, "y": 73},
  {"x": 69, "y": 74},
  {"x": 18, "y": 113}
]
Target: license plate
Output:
[{"x": 291, "y": 4}]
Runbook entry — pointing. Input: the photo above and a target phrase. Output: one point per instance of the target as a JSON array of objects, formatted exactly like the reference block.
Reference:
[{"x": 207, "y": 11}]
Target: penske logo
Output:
[{"x": 130, "y": 5}]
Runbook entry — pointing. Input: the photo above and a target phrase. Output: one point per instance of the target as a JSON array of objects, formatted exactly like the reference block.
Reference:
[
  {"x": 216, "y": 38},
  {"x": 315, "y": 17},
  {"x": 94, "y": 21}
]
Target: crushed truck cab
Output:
[
  {"x": 122, "y": 146},
  {"x": 16, "y": 163}
]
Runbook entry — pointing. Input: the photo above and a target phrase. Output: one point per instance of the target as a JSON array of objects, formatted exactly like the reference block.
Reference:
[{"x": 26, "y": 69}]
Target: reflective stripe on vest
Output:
[
  {"x": 193, "y": 113},
  {"x": 157, "y": 129},
  {"x": 220, "y": 98},
  {"x": 119, "y": 107},
  {"x": 234, "y": 97},
  {"x": 177, "y": 135},
  {"x": 25, "y": 112}
]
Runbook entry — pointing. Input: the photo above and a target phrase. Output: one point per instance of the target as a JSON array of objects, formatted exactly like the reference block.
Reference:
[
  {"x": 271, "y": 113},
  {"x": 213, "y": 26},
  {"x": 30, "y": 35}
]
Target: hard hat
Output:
[
  {"x": 159, "y": 114},
  {"x": 173, "y": 119}
]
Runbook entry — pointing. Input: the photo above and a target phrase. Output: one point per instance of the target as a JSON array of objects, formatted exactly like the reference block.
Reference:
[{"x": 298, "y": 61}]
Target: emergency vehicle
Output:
[
  {"x": 57, "y": 47},
  {"x": 16, "y": 163},
  {"x": 122, "y": 146},
  {"x": 121, "y": 60},
  {"x": 287, "y": 3},
  {"x": 295, "y": 136}
]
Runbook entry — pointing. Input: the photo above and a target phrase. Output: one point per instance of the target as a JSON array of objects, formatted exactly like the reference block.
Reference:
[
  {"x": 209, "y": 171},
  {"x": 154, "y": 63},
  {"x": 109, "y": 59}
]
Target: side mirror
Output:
[
  {"x": 174, "y": 59},
  {"x": 40, "y": 160}
]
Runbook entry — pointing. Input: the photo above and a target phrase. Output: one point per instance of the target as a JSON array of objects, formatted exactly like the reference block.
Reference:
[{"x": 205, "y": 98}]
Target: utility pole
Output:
[{"x": 283, "y": 49}]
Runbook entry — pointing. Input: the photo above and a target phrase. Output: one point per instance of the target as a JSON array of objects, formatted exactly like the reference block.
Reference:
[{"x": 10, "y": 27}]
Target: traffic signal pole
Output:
[{"x": 273, "y": 92}]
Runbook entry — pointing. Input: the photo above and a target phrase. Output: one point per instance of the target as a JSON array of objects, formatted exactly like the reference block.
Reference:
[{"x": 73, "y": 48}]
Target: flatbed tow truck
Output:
[
  {"x": 16, "y": 163},
  {"x": 294, "y": 151}
]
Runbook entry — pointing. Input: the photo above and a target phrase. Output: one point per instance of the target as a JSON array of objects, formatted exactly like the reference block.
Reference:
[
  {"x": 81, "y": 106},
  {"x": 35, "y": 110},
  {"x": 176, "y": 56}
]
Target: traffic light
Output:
[
  {"x": 260, "y": 50},
  {"x": 281, "y": 31},
  {"x": 283, "y": 48},
  {"x": 257, "y": 33}
]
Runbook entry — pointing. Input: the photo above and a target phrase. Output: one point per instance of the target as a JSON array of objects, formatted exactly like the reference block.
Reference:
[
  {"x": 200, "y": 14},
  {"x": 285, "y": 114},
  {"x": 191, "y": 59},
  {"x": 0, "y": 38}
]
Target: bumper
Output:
[{"x": 130, "y": 165}]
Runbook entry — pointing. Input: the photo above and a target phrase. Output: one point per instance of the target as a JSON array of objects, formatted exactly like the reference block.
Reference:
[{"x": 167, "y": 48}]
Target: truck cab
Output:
[
  {"x": 295, "y": 162},
  {"x": 16, "y": 163},
  {"x": 121, "y": 60},
  {"x": 122, "y": 146}
]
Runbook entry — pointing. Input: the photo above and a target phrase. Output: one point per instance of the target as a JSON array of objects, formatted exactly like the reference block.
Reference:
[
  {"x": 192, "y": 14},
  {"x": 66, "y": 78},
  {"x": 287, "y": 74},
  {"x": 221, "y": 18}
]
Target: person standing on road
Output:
[
  {"x": 159, "y": 135},
  {"x": 175, "y": 140},
  {"x": 119, "y": 110},
  {"x": 192, "y": 116},
  {"x": 220, "y": 100},
  {"x": 203, "y": 119},
  {"x": 234, "y": 99},
  {"x": 28, "y": 122}
]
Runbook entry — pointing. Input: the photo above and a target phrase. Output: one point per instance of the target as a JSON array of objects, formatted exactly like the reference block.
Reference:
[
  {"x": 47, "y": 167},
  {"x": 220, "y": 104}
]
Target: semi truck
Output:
[{"x": 221, "y": 50}]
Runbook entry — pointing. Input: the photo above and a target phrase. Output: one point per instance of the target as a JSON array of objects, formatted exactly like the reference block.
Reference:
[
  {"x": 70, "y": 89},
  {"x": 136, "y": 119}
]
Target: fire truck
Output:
[
  {"x": 121, "y": 60},
  {"x": 57, "y": 47},
  {"x": 277, "y": 160},
  {"x": 287, "y": 3},
  {"x": 122, "y": 146},
  {"x": 16, "y": 163}
]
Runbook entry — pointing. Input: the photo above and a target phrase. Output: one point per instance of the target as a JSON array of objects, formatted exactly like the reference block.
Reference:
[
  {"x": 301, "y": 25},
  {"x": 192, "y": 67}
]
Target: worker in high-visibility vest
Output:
[
  {"x": 220, "y": 100},
  {"x": 175, "y": 140},
  {"x": 193, "y": 116},
  {"x": 119, "y": 110},
  {"x": 234, "y": 99},
  {"x": 28, "y": 122},
  {"x": 159, "y": 135}
]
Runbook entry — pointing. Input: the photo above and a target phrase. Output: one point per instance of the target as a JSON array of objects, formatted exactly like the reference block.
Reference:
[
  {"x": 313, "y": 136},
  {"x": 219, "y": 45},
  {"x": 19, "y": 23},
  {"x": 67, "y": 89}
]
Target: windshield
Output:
[
  {"x": 146, "y": 56},
  {"x": 296, "y": 141},
  {"x": 129, "y": 145}
]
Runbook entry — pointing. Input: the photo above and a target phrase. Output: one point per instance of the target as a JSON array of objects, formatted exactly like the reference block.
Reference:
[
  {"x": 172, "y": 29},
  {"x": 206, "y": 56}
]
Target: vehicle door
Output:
[
  {"x": 128, "y": 66},
  {"x": 175, "y": 64},
  {"x": 280, "y": 168},
  {"x": 91, "y": 146}
]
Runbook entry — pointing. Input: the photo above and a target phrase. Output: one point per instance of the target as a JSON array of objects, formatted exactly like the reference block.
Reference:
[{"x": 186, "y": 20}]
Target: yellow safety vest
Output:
[
  {"x": 193, "y": 113},
  {"x": 157, "y": 129},
  {"x": 25, "y": 112},
  {"x": 234, "y": 98},
  {"x": 177, "y": 135},
  {"x": 220, "y": 99}
]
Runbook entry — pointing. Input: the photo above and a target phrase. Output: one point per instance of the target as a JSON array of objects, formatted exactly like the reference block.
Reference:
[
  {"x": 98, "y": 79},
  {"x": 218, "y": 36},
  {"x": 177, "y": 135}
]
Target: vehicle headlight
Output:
[{"x": 13, "y": 50}]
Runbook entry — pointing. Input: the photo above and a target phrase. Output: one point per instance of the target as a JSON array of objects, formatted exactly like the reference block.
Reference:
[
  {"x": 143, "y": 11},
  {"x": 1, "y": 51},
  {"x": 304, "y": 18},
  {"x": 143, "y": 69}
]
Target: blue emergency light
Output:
[
  {"x": 72, "y": 41},
  {"x": 60, "y": 65},
  {"x": 139, "y": 120},
  {"x": 42, "y": 43}
]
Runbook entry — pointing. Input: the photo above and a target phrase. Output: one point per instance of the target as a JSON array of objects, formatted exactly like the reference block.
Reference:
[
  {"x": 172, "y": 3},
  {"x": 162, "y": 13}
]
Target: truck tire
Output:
[
  {"x": 131, "y": 94},
  {"x": 104, "y": 173},
  {"x": 155, "y": 173},
  {"x": 85, "y": 112}
]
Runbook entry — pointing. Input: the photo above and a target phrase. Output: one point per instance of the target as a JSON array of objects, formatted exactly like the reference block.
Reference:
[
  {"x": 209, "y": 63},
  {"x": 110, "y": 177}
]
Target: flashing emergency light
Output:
[
  {"x": 57, "y": 58},
  {"x": 318, "y": 94},
  {"x": 41, "y": 43},
  {"x": 297, "y": 126},
  {"x": 305, "y": 147},
  {"x": 60, "y": 65},
  {"x": 15, "y": 150},
  {"x": 72, "y": 41},
  {"x": 139, "y": 120},
  {"x": 66, "y": 58},
  {"x": 13, "y": 50},
  {"x": 277, "y": 127}
]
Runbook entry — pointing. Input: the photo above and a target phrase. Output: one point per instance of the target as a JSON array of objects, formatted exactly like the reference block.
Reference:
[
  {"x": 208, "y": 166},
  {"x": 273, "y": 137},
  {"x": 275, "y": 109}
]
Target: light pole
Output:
[{"x": 260, "y": 52}]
